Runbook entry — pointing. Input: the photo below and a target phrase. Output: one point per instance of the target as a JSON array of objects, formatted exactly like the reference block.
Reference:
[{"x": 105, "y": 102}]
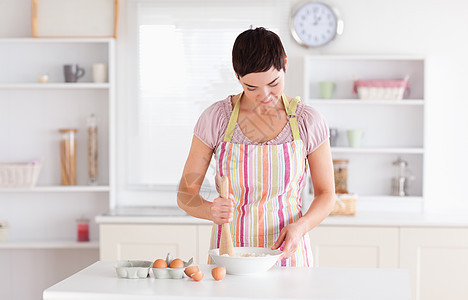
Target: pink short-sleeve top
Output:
[{"x": 211, "y": 127}]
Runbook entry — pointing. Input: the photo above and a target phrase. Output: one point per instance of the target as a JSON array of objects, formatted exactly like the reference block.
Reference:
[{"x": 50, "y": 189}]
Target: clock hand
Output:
[{"x": 317, "y": 20}]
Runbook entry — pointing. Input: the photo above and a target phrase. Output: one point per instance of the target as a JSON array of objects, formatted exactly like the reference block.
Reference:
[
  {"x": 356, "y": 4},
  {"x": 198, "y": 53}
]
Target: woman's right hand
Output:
[{"x": 222, "y": 210}]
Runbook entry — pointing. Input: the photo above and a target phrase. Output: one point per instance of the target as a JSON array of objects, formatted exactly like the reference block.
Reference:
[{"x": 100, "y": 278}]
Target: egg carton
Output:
[
  {"x": 139, "y": 269},
  {"x": 133, "y": 269},
  {"x": 171, "y": 273}
]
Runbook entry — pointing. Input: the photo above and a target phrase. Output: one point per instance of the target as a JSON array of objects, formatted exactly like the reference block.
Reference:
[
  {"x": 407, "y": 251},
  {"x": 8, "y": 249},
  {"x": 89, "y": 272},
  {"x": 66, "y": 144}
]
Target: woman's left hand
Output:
[{"x": 289, "y": 237}]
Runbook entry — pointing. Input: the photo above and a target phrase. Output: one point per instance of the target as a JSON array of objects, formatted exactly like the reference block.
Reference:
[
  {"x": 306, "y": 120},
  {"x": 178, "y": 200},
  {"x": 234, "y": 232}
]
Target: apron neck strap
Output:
[
  {"x": 290, "y": 108},
  {"x": 291, "y": 115}
]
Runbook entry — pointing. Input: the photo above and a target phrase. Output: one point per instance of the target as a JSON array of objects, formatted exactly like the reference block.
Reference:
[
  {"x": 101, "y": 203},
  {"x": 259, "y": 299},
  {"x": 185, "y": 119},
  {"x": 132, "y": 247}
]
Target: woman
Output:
[{"x": 262, "y": 141}]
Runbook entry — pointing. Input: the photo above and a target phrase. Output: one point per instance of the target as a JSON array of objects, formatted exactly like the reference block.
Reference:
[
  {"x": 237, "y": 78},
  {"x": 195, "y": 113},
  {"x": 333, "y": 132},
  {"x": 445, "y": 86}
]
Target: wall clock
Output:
[{"x": 315, "y": 24}]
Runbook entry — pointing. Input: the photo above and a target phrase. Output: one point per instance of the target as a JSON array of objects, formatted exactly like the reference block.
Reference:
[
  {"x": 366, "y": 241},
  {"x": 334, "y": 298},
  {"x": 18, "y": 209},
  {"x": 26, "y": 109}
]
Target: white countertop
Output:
[
  {"x": 99, "y": 282},
  {"x": 175, "y": 215}
]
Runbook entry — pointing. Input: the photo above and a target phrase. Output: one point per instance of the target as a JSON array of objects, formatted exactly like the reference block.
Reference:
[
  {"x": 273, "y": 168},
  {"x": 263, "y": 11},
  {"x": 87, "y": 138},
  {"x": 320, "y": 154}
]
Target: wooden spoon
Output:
[{"x": 225, "y": 243}]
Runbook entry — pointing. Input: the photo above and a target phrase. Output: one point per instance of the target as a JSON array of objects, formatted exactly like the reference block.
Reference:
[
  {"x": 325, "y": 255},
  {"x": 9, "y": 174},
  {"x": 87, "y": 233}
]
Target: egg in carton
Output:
[{"x": 172, "y": 273}]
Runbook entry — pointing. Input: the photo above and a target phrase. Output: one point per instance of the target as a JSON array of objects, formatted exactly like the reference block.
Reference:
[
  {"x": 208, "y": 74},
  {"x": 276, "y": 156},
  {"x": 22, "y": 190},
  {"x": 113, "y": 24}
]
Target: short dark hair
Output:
[{"x": 257, "y": 50}]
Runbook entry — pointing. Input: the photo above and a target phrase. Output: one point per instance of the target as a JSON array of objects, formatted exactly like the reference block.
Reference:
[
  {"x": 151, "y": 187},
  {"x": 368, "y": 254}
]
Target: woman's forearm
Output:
[{"x": 193, "y": 204}]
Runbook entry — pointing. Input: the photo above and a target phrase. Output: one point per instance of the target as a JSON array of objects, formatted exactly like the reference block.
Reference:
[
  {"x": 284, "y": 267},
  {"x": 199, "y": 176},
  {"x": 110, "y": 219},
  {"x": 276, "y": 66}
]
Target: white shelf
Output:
[
  {"x": 78, "y": 188},
  {"x": 55, "y": 40},
  {"x": 377, "y": 150},
  {"x": 390, "y": 203},
  {"x": 49, "y": 245},
  {"x": 58, "y": 85},
  {"x": 390, "y": 127},
  {"x": 339, "y": 57},
  {"x": 366, "y": 102},
  {"x": 390, "y": 198}
]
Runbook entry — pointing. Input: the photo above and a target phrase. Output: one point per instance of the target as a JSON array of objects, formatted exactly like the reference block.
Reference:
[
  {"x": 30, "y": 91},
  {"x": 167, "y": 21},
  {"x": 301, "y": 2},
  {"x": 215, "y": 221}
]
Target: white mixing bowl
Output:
[{"x": 240, "y": 265}]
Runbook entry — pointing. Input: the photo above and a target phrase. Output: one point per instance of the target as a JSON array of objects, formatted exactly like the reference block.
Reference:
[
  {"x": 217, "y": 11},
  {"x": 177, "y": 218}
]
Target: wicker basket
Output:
[
  {"x": 345, "y": 205},
  {"x": 381, "y": 89},
  {"x": 17, "y": 175}
]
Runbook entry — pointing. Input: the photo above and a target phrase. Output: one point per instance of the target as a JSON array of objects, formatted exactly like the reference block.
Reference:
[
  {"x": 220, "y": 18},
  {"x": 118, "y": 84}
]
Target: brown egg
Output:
[
  {"x": 160, "y": 263},
  {"x": 176, "y": 263},
  {"x": 197, "y": 276},
  {"x": 189, "y": 271},
  {"x": 218, "y": 273}
]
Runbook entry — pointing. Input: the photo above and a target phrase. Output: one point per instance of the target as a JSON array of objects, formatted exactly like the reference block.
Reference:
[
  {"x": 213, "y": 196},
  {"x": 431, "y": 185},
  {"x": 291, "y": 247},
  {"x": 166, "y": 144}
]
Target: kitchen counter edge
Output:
[{"x": 379, "y": 219}]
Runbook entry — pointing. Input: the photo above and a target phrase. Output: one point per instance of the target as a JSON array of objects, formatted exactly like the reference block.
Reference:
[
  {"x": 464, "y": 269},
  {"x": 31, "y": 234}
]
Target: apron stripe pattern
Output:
[{"x": 266, "y": 181}]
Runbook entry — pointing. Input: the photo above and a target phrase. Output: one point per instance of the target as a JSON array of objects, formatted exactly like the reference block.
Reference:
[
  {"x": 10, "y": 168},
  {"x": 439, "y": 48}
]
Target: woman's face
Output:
[{"x": 265, "y": 88}]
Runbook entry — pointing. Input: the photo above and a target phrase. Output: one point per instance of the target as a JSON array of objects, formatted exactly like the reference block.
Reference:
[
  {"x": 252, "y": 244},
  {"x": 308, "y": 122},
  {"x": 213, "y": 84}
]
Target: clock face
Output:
[{"x": 315, "y": 24}]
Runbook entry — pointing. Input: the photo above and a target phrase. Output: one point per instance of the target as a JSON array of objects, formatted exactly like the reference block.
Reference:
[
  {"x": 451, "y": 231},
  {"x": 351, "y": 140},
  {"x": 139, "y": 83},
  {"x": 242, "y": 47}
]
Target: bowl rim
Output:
[{"x": 278, "y": 252}]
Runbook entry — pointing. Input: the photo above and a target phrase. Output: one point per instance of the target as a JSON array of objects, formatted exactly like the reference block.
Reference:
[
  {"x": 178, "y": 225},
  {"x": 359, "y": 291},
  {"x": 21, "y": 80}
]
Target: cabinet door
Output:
[
  {"x": 147, "y": 242},
  {"x": 437, "y": 259},
  {"x": 204, "y": 237},
  {"x": 355, "y": 247}
]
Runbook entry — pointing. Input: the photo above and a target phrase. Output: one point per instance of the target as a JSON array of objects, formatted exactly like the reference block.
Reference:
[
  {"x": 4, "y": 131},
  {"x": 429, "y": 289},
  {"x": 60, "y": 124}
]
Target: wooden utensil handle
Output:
[
  {"x": 224, "y": 185},
  {"x": 225, "y": 245}
]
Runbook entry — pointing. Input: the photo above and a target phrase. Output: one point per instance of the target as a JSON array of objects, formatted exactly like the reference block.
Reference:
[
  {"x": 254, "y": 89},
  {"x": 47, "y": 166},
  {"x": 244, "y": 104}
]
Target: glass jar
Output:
[
  {"x": 82, "y": 226},
  {"x": 92, "y": 150},
  {"x": 340, "y": 168},
  {"x": 68, "y": 156}
]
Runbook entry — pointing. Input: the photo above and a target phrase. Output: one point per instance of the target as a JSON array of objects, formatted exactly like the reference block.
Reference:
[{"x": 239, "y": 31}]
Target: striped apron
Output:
[{"x": 266, "y": 181}]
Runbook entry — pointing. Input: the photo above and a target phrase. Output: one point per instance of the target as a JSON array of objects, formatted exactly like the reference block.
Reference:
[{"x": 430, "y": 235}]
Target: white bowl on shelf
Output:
[{"x": 261, "y": 261}]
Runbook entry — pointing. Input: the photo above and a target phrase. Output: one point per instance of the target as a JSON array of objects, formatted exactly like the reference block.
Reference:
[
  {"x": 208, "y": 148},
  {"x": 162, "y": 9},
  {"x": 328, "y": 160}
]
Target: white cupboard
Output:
[
  {"x": 204, "y": 238},
  {"x": 437, "y": 259},
  {"x": 149, "y": 242},
  {"x": 355, "y": 247}
]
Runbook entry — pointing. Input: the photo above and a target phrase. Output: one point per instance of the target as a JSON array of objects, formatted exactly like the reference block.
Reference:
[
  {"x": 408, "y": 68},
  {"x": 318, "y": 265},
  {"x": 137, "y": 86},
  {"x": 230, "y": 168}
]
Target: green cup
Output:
[
  {"x": 326, "y": 89},
  {"x": 354, "y": 137}
]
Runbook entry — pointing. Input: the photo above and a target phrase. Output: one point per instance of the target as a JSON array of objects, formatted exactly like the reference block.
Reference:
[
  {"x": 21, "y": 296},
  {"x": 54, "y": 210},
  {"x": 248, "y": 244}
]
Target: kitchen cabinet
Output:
[
  {"x": 27, "y": 269},
  {"x": 149, "y": 242},
  {"x": 204, "y": 239},
  {"x": 391, "y": 128},
  {"x": 355, "y": 247},
  {"x": 432, "y": 248},
  {"x": 437, "y": 259},
  {"x": 364, "y": 247},
  {"x": 43, "y": 218}
]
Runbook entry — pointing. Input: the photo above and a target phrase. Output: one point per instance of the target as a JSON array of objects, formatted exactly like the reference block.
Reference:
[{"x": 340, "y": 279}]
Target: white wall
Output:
[{"x": 435, "y": 29}]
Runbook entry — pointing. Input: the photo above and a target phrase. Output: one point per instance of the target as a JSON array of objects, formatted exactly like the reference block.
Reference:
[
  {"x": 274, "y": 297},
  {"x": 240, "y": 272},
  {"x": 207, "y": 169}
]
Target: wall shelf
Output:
[
  {"x": 390, "y": 128},
  {"x": 54, "y": 85},
  {"x": 49, "y": 244},
  {"x": 31, "y": 114},
  {"x": 55, "y": 40},
  {"x": 59, "y": 189},
  {"x": 390, "y": 198},
  {"x": 377, "y": 150},
  {"x": 404, "y": 102}
]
